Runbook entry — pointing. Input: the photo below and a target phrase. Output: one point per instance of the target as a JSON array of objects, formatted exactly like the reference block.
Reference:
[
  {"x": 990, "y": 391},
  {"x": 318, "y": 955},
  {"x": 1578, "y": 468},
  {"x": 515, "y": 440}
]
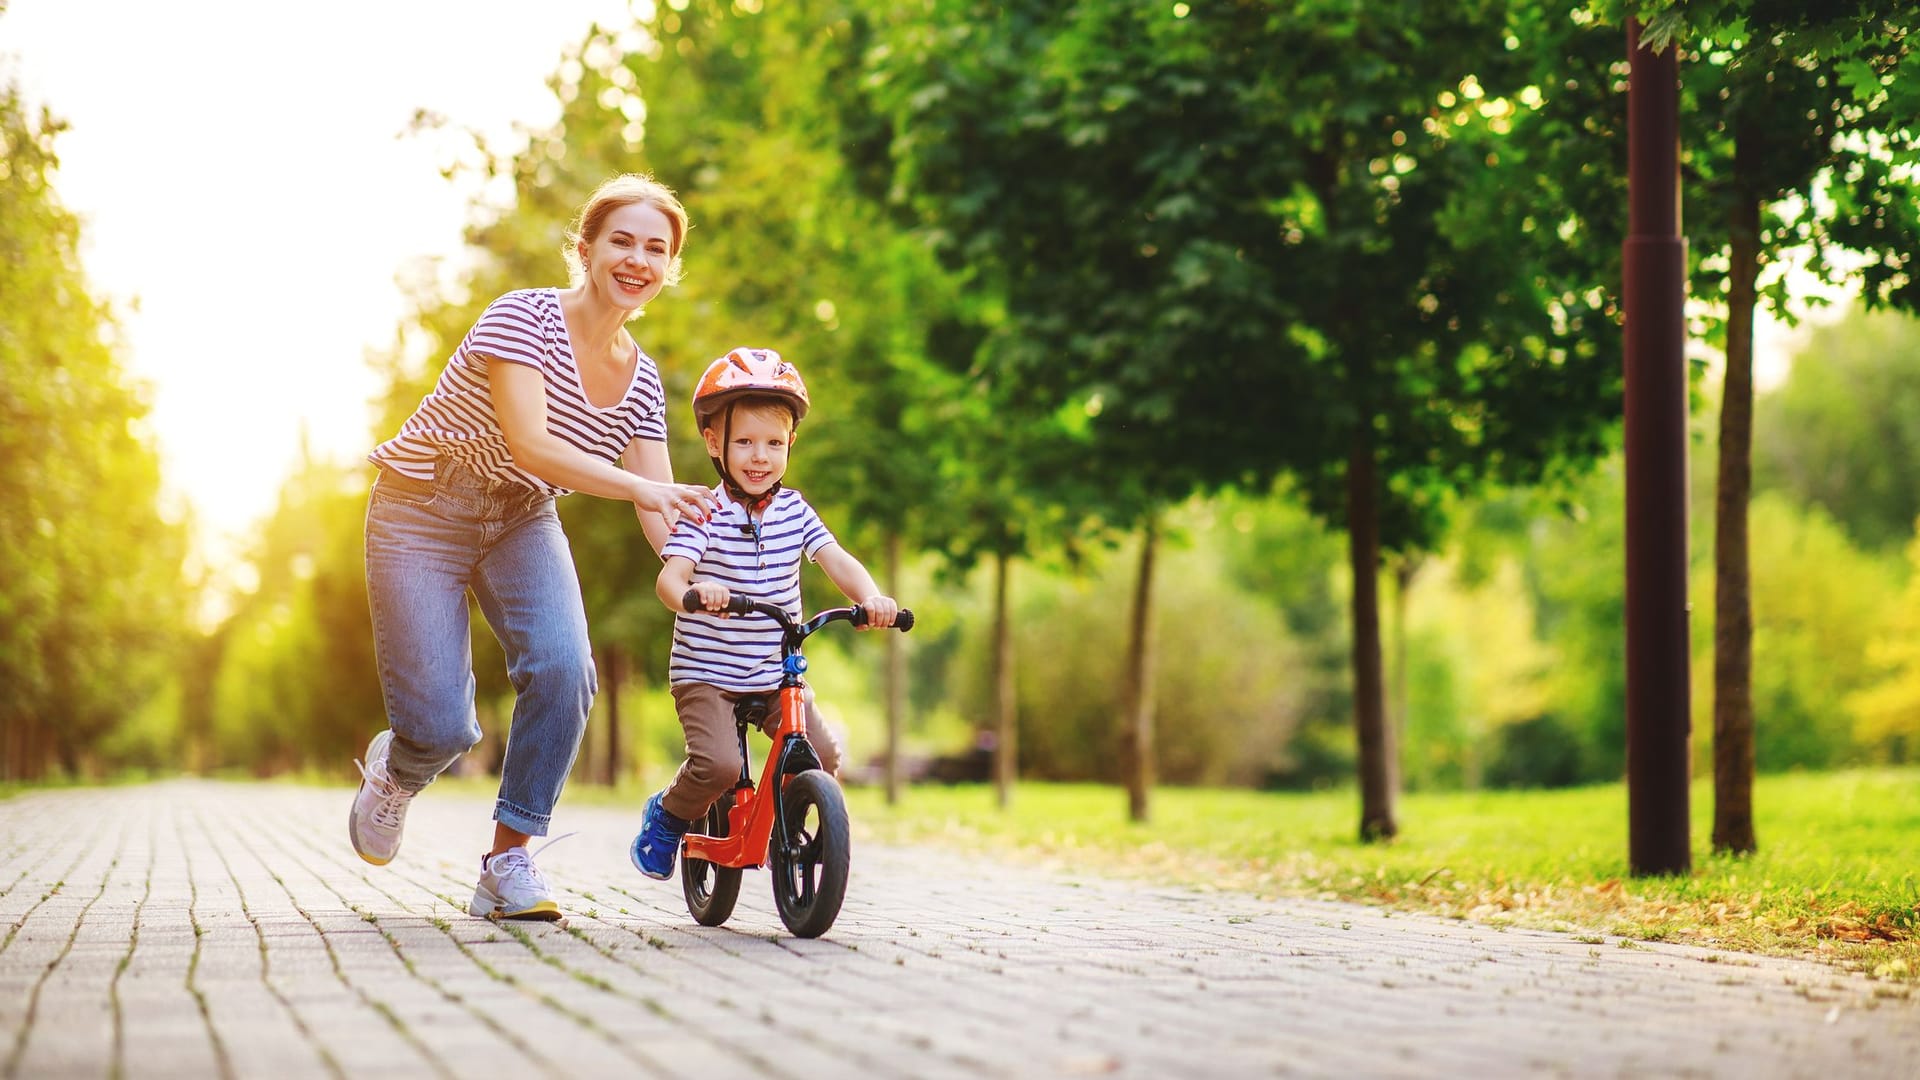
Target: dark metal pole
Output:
[{"x": 1654, "y": 291}]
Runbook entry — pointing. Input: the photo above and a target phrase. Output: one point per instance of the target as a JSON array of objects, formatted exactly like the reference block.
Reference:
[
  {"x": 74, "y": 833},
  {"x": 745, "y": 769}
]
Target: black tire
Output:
[
  {"x": 810, "y": 862},
  {"x": 711, "y": 890}
]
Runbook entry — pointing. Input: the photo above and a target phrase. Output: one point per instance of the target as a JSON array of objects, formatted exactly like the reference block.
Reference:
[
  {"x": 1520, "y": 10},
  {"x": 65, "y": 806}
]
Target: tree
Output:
[
  {"x": 1820, "y": 604},
  {"x": 1012, "y": 489},
  {"x": 1796, "y": 137},
  {"x": 1190, "y": 211},
  {"x": 1792, "y": 131},
  {"x": 90, "y": 569}
]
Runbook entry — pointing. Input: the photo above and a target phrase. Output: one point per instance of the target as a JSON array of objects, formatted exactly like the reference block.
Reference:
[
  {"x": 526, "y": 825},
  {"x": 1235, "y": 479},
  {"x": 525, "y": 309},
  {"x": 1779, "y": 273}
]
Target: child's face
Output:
[{"x": 757, "y": 454}]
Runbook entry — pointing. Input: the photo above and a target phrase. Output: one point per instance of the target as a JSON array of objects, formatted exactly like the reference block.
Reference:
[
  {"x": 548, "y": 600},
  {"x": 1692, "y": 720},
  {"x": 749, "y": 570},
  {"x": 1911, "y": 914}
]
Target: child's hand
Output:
[
  {"x": 880, "y": 611},
  {"x": 713, "y": 595}
]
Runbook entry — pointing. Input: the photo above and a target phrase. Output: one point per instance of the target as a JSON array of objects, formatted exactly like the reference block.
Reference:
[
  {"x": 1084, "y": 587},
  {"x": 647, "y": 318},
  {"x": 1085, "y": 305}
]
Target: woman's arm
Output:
[
  {"x": 648, "y": 458},
  {"x": 520, "y": 403}
]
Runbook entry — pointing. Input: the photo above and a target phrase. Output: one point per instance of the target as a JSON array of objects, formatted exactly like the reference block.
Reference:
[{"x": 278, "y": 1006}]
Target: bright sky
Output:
[{"x": 243, "y": 173}]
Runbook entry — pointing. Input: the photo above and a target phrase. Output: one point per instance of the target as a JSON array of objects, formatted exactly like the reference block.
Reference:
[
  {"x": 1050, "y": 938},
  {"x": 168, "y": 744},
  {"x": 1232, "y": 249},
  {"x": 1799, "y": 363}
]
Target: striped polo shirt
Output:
[
  {"x": 742, "y": 653},
  {"x": 456, "y": 421}
]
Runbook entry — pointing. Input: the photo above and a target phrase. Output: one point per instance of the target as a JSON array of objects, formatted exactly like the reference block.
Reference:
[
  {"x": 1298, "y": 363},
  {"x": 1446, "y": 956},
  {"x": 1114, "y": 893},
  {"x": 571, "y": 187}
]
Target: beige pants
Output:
[{"x": 713, "y": 750}]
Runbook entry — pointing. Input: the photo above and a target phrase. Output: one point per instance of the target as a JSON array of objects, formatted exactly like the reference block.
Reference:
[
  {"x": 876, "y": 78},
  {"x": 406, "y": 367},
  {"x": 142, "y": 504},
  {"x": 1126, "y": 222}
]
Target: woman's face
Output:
[{"x": 628, "y": 262}]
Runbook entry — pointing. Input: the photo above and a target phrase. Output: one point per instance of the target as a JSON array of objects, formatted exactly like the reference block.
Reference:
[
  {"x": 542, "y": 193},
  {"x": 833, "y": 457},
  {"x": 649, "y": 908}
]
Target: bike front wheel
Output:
[
  {"x": 711, "y": 890},
  {"x": 810, "y": 862}
]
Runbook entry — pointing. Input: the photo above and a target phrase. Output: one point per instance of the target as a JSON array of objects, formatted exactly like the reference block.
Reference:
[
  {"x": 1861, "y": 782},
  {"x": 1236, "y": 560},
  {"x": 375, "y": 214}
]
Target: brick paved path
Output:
[{"x": 194, "y": 929}]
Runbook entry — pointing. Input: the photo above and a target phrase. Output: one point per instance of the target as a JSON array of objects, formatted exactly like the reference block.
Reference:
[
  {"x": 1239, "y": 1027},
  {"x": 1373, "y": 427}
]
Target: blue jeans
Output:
[{"x": 427, "y": 545}]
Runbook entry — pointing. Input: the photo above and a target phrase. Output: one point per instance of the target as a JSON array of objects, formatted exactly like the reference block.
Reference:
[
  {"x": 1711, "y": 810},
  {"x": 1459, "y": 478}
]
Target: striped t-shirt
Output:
[
  {"x": 456, "y": 421},
  {"x": 742, "y": 653}
]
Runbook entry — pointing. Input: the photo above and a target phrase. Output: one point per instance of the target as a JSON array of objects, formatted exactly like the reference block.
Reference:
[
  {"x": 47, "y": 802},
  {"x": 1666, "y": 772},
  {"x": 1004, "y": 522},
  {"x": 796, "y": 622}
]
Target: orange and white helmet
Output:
[{"x": 748, "y": 373}]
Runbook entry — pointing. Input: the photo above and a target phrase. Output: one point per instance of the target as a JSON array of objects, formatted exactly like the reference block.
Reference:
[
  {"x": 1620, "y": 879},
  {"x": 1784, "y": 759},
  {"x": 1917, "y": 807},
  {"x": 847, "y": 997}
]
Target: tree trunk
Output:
[
  {"x": 1137, "y": 760},
  {"x": 1732, "y": 597},
  {"x": 610, "y": 769},
  {"x": 33, "y": 751},
  {"x": 1374, "y": 737},
  {"x": 896, "y": 677},
  {"x": 1006, "y": 746},
  {"x": 12, "y": 728},
  {"x": 1404, "y": 568}
]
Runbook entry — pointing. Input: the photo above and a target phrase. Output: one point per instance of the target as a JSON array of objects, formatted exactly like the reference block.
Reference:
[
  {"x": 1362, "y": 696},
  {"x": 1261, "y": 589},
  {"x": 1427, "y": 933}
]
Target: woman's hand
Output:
[{"x": 672, "y": 500}]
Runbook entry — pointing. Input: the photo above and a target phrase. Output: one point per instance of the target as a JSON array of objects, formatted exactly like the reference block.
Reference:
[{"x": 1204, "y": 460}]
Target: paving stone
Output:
[{"x": 199, "y": 929}]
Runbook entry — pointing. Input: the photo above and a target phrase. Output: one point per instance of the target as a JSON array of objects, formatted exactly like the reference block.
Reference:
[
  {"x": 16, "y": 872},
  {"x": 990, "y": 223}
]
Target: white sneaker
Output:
[
  {"x": 380, "y": 807},
  {"x": 512, "y": 887}
]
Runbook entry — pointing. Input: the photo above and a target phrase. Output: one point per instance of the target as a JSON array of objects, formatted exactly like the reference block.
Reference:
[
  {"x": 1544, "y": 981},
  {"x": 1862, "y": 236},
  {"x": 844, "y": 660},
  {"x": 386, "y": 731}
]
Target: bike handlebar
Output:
[{"x": 747, "y": 605}]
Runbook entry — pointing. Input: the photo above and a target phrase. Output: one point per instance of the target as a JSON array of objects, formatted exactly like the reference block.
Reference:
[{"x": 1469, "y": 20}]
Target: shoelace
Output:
[
  {"x": 518, "y": 863},
  {"x": 390, "y": 812}
]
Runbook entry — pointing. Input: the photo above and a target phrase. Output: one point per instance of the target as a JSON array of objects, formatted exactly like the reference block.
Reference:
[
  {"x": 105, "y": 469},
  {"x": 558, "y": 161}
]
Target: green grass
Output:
[{"x": 1837, "y": 874}]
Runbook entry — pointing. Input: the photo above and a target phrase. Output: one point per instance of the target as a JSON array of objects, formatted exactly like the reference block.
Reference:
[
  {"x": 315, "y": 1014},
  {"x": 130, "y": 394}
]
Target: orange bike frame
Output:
[{"x": 750, "y": 822}]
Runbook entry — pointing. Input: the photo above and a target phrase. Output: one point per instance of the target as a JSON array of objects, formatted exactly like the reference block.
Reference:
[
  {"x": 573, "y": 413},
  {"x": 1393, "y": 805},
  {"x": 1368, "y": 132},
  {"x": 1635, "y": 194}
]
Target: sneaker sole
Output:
[
  {"x": 486, "y": 905},
  {"x": 544, "y": 912},
  {"x": 356, "y": 845}
]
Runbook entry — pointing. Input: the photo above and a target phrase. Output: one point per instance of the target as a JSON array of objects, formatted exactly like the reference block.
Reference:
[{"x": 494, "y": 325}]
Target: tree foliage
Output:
[
  {"x": 1252, "y": 214},
  {"x": 1843, "y": 431},
  {"x": 1248, "y": 242},
  {"x": 296, "y": 682},
  {"x": 1886, "y": 713},
  {"x": 91, "y": 596},
  {"x": 1819, "y": 603}
]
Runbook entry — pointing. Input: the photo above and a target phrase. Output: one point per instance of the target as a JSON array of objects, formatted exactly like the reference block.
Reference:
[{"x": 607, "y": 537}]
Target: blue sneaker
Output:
[{"x": 659, "y": 841}]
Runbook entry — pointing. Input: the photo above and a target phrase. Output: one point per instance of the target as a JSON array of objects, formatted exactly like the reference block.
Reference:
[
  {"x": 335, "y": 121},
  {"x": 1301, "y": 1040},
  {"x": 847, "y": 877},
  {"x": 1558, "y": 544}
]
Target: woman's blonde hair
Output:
[{"x": 612, "y": 194}]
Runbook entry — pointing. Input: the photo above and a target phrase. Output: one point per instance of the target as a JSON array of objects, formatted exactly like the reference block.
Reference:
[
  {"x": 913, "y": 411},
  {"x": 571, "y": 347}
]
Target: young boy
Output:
[{"x": 747, "y": 406}]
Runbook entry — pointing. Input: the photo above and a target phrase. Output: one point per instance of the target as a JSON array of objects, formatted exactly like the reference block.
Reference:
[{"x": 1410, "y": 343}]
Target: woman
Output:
[{"x": 547, "y": 393}]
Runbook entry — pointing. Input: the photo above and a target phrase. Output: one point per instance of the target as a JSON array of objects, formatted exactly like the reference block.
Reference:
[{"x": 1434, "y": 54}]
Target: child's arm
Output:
[
  {"x": 676, "y": 577},
  {"x": 847, "y": 572}
]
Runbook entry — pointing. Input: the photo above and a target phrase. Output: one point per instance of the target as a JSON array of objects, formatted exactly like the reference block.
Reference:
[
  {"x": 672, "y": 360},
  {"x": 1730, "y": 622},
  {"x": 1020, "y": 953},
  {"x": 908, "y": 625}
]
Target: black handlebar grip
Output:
[
  {"x": 736, "y": 603},
  {"x": 902, "y": 620}
]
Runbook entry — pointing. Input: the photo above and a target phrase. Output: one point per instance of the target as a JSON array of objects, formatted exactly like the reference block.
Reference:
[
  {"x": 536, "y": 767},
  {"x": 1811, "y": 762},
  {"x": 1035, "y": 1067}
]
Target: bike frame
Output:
[
  {"x": 757, "y": 810},
  {"x": 751, "y": 821}
]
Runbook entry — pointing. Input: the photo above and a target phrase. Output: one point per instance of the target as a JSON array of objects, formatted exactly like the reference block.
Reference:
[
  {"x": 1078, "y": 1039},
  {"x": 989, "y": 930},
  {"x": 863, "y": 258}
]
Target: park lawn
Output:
[{"x": 1837, "y": 875}]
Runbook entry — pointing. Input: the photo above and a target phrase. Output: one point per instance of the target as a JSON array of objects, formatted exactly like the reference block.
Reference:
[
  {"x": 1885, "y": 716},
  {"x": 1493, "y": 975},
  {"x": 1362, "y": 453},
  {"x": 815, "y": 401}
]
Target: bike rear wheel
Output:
[
  {"x": 810, "y": 862},
  {"x": 711, "y": 890}
]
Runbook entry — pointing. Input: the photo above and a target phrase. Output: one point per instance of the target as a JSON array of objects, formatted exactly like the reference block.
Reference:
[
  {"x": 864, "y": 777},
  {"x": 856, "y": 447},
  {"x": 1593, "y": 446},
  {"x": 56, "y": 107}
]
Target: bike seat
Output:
[{"x": 750, "y": 710}]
